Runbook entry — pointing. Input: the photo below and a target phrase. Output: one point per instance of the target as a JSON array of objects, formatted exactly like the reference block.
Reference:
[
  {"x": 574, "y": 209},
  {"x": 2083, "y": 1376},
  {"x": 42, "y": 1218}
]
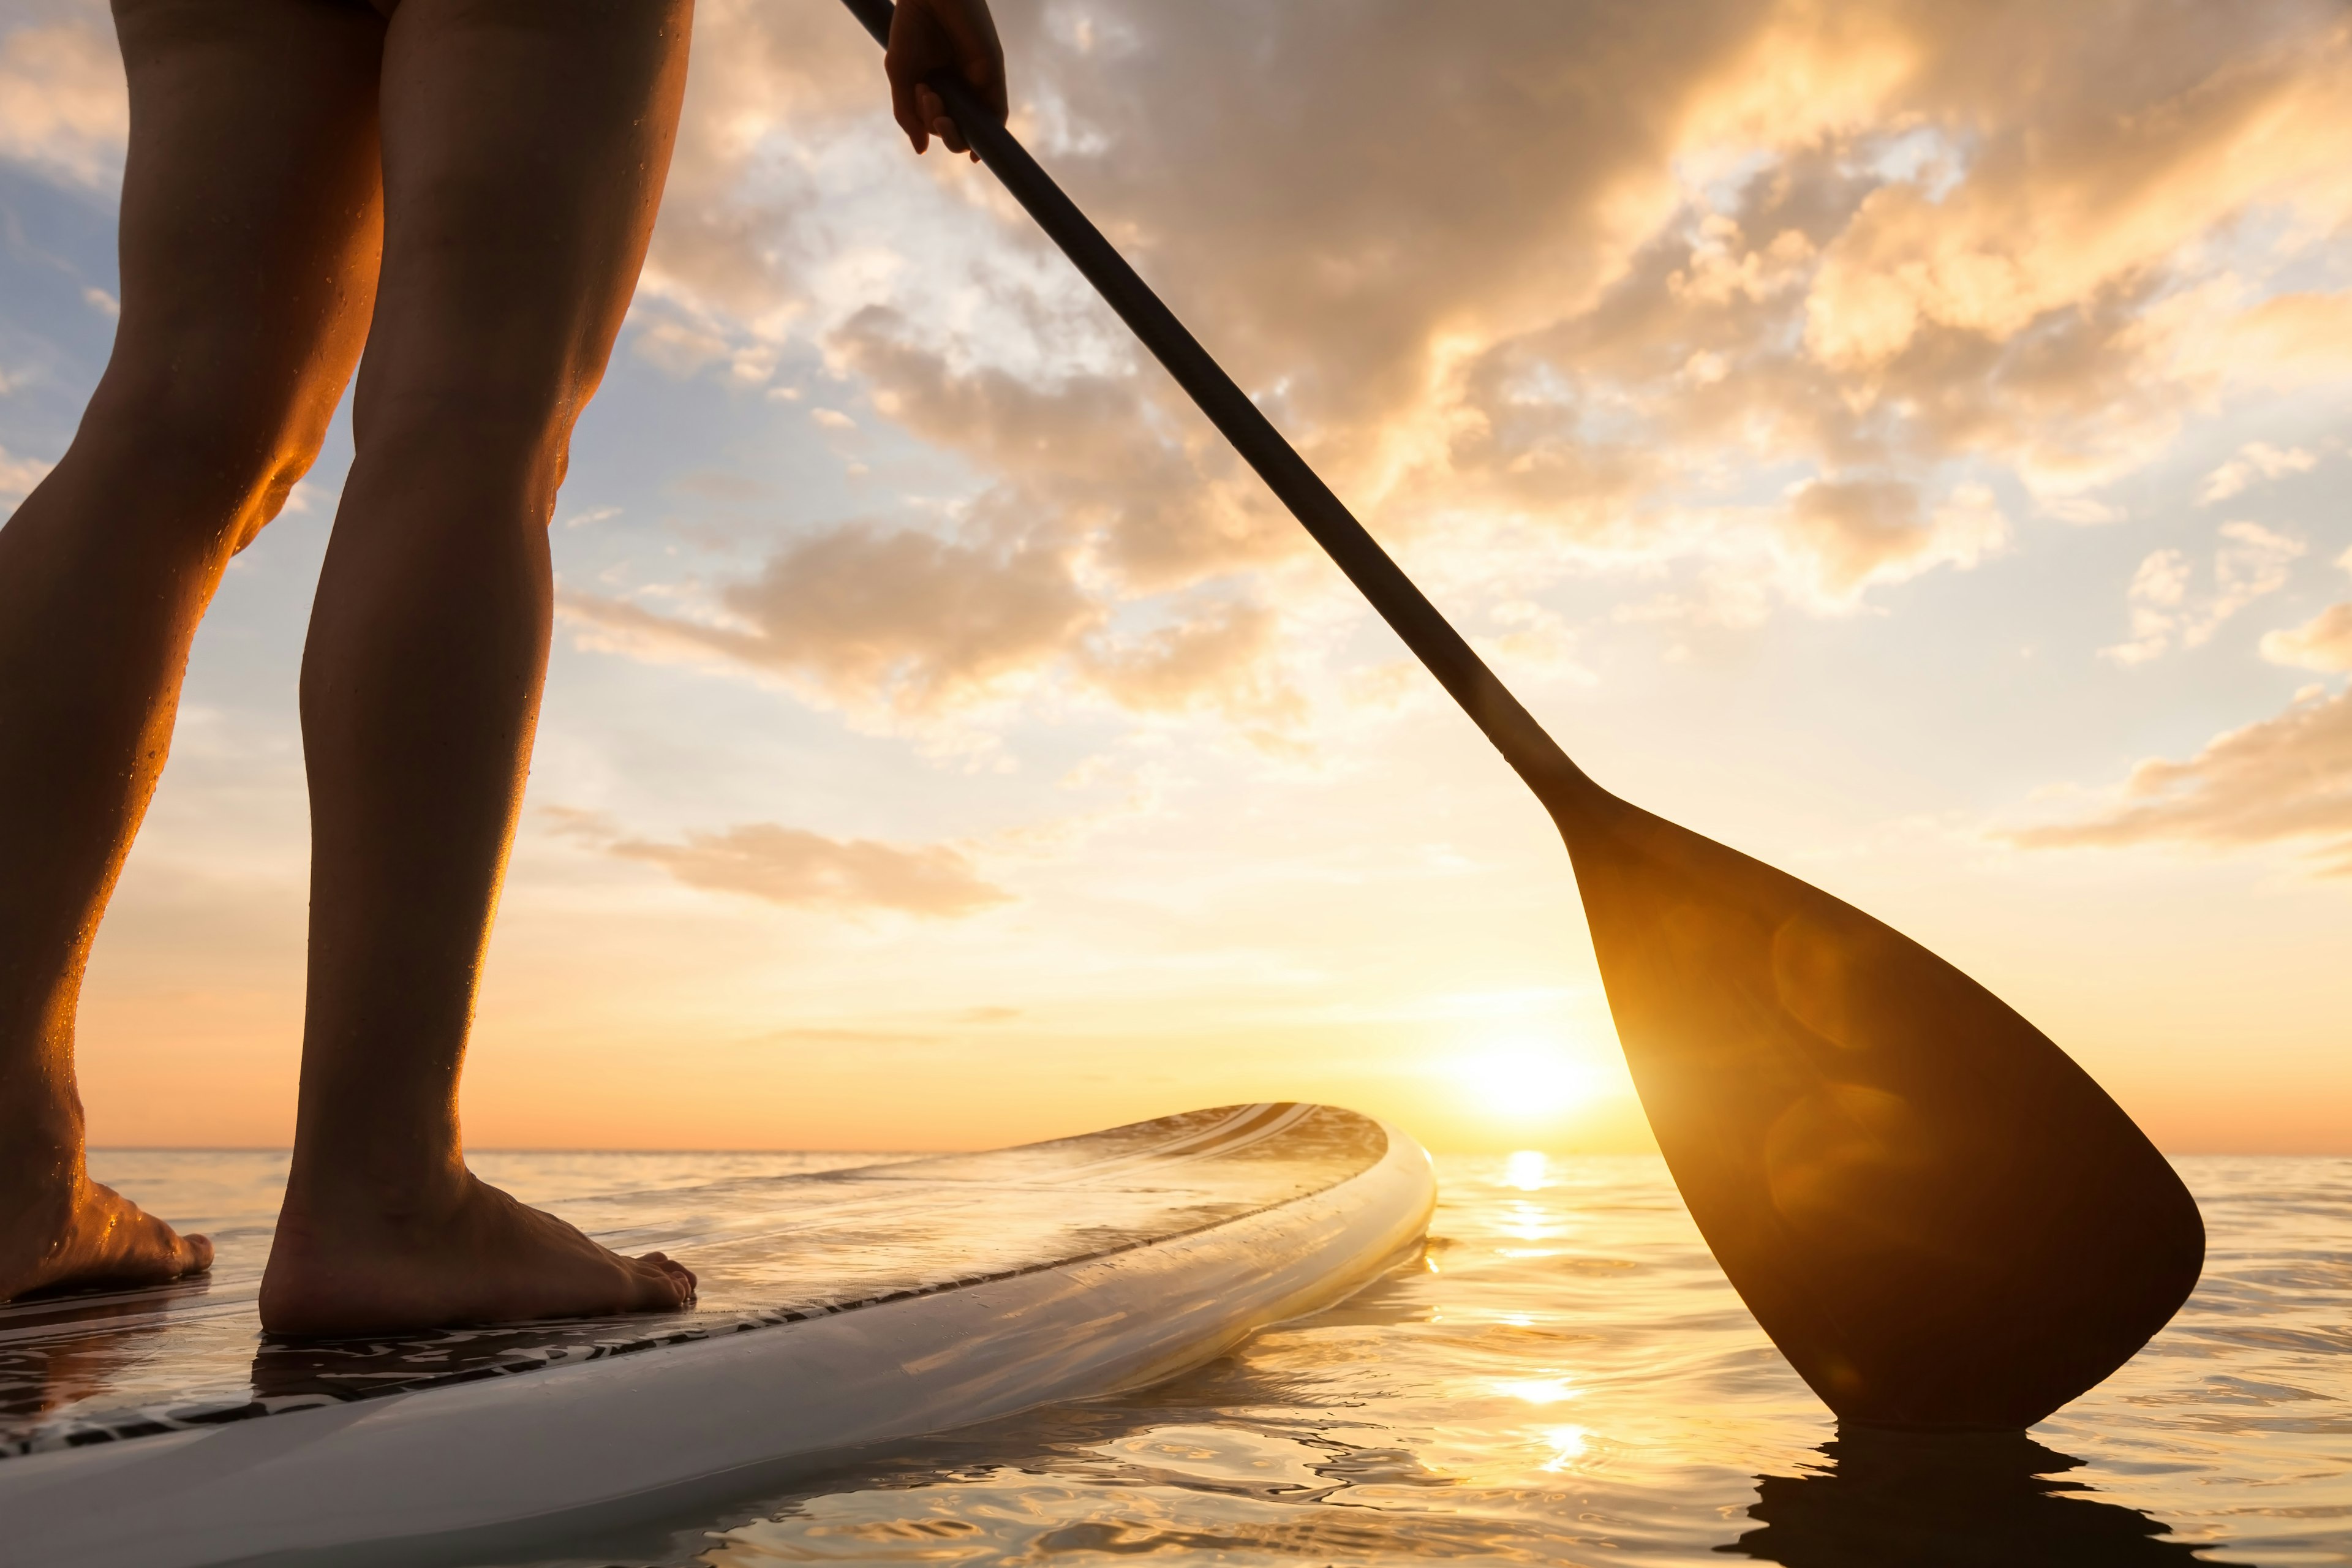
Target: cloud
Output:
[
  {"x": 1995, "y": 253},
  {"x": 2251, "y": 561},
  {"x": 1220, "y": 657},
  {"x": 2158, "y": 591},
  {"x": 793, "y": 867},
  {"x": 767, "y": 82},
  {"x": 2290, "y": 339},
  {"x": 2285, "y": 778},
  {"x": 2255, "y": 459},
  {"x": 678, "y": 347},
  {"x": 1861, "y": 530},
  {"x": 1162, "y": 501},
  {"x": 2008, "y": 253},
  {"x": 2085, "y": 176},
  {"x": 867, "y": 615},
  {"x": 64, "y": 108},
  {"x": 1585, "y": 293},
  {"x": 1100, "y": 506},
  {"x": 1332, "y": 292},
  {"x": 19, "y": 475},
  {"x": 2324, "y": 642},
  {"x": 898, "y": 625}
]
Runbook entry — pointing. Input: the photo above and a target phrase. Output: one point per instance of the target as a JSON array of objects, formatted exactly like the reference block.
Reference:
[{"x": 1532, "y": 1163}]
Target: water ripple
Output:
[{"x": 1567, "y": 1379}]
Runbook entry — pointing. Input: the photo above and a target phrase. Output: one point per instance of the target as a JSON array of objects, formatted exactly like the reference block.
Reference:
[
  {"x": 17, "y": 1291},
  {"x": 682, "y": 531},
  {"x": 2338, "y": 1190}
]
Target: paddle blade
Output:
[{"x": 1939, "y": 1217}]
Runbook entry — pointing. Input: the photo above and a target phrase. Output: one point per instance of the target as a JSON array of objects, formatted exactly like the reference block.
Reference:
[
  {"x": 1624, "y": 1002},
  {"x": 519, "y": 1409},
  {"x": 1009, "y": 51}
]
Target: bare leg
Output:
[
  {"x": 249, "y": 233},
  {"x": 524, "y": 147}
]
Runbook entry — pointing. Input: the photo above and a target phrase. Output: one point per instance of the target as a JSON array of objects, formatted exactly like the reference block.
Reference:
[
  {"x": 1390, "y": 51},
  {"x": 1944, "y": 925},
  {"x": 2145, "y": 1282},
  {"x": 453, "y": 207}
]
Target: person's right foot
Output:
[
  {"x": 475, "y": 1256},
  {"x": 60, "y": 1230}
]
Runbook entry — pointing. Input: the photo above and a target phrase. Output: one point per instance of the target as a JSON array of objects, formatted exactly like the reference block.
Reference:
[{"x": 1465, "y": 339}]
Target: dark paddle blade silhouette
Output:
[{"x": 1937, "y": 1215}]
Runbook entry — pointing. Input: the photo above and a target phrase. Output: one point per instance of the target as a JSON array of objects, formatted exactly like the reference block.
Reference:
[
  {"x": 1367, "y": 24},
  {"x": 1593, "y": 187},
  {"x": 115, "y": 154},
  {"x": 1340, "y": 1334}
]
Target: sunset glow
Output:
[{"x": 1527, "y": 1081}]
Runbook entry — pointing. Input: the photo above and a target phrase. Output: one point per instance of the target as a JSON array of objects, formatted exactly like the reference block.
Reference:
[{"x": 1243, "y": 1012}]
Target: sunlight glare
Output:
[
  {"x": 1538, "y": 1389},
  {"x": 1526, "y": 1170},
  {"x": 1526, "y": 1080},
  {"x": 1568, "y": 1445}
]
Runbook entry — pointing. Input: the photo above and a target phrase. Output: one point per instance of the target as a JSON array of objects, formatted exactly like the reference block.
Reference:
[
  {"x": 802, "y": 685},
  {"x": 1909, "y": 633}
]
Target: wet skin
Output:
[{"x": 454, "y": 196}]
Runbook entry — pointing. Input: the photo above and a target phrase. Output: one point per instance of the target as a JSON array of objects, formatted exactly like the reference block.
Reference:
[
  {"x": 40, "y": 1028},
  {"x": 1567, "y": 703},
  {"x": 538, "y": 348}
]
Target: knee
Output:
[
  {"x": 226, "y": 448},
  {"x": 476, "y": 441}
]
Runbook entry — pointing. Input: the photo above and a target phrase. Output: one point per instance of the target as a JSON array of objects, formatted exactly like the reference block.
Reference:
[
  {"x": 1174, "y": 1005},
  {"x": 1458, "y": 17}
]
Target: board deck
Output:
[{"x": 839, "y": 1308}]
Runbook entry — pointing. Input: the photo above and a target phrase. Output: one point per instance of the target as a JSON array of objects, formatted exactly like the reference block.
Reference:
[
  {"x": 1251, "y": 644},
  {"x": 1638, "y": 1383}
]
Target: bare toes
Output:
[
  {"x": 95, "y": 1238},
  {"x": 672, "y": 1283}
]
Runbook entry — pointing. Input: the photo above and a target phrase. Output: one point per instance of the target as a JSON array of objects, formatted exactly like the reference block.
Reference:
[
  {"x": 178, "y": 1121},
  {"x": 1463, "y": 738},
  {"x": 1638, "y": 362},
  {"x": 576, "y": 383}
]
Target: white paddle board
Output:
[{"x": 161, "y": 1428}]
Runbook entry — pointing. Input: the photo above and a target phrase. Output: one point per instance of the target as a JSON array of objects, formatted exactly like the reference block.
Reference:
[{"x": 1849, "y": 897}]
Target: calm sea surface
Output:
[{"x": 1565, "y": 1379}]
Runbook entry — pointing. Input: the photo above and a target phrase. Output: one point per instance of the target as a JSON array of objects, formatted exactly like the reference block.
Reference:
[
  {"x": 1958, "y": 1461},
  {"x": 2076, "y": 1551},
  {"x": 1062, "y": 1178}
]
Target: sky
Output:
[{"x": 1911, "y": 444}]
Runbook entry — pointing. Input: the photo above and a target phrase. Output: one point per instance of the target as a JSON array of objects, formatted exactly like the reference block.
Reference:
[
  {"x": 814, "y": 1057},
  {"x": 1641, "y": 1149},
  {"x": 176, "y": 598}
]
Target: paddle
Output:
[{"x": 1937, "y": 1216}]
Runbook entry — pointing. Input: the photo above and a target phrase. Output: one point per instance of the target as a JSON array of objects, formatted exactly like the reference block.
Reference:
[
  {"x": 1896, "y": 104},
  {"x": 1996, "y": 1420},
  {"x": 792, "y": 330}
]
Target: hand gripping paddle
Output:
[{"x": 1939, "y": 1217}]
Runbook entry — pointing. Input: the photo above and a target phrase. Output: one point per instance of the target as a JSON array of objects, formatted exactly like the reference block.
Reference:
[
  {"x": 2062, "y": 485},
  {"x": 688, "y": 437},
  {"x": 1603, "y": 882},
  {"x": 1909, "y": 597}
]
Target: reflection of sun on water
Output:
[
  {"x": 1567, "y": 1445},
  {"x": 1528, "y": 1223},
  {"x": 1538, "y": 1389},
  {"x": 1529, "y": 1172}
]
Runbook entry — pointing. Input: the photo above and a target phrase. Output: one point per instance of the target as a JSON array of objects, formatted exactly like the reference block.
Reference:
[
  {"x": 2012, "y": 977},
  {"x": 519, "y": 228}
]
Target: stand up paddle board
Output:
[{"x": 161, "y": 1428}]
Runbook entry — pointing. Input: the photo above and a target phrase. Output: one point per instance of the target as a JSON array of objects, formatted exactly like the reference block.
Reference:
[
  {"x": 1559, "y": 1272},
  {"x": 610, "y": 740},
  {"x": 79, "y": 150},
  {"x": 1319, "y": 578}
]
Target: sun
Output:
[{"x": 1526, "y": 1080}]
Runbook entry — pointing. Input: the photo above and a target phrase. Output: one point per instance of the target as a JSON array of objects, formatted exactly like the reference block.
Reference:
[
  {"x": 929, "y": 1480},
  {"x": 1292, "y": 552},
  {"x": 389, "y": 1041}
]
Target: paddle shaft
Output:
[{"x": 1447, "y": 655}]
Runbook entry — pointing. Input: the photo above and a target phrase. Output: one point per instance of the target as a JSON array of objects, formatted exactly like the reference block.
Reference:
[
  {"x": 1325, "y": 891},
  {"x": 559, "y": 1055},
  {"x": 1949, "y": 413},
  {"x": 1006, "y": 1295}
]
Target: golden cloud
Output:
[
  {"x": 2250, "y": 562},
  {"x": 64, "y": 107},
  {"x": 2256, "y": 460},
  {"x": 1162, "y": 501},
  {"x": 2285, "y": 778},
  {"x": 2324, "y": 642},
  {"x": 2290, "y": 339},
  {"x": 19, "y": 475},
  {"x": 793, "y": 867},
  {"x": 866, "y": 615},
  {"x": 900, "y": 626},
  {"x": 1861, "y": 529},
  {"x": 1220, "y": 657},
  {"x": 1572, "y": 285}
]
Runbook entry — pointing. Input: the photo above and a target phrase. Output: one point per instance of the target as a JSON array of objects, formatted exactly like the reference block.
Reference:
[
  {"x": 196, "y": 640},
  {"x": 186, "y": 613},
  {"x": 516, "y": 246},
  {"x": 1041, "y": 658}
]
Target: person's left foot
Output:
[{"x": 60, "y": 1230}]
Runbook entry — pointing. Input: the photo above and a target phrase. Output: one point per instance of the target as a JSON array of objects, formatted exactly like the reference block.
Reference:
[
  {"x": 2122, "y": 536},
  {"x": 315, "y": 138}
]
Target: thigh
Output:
[
  {"x": 250, "y": 222},
  {"x": 525, "y": 143}
]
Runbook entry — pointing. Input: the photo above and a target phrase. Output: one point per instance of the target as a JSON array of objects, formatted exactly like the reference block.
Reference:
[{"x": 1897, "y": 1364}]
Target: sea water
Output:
[{"x": 1565, "y": 1378}]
